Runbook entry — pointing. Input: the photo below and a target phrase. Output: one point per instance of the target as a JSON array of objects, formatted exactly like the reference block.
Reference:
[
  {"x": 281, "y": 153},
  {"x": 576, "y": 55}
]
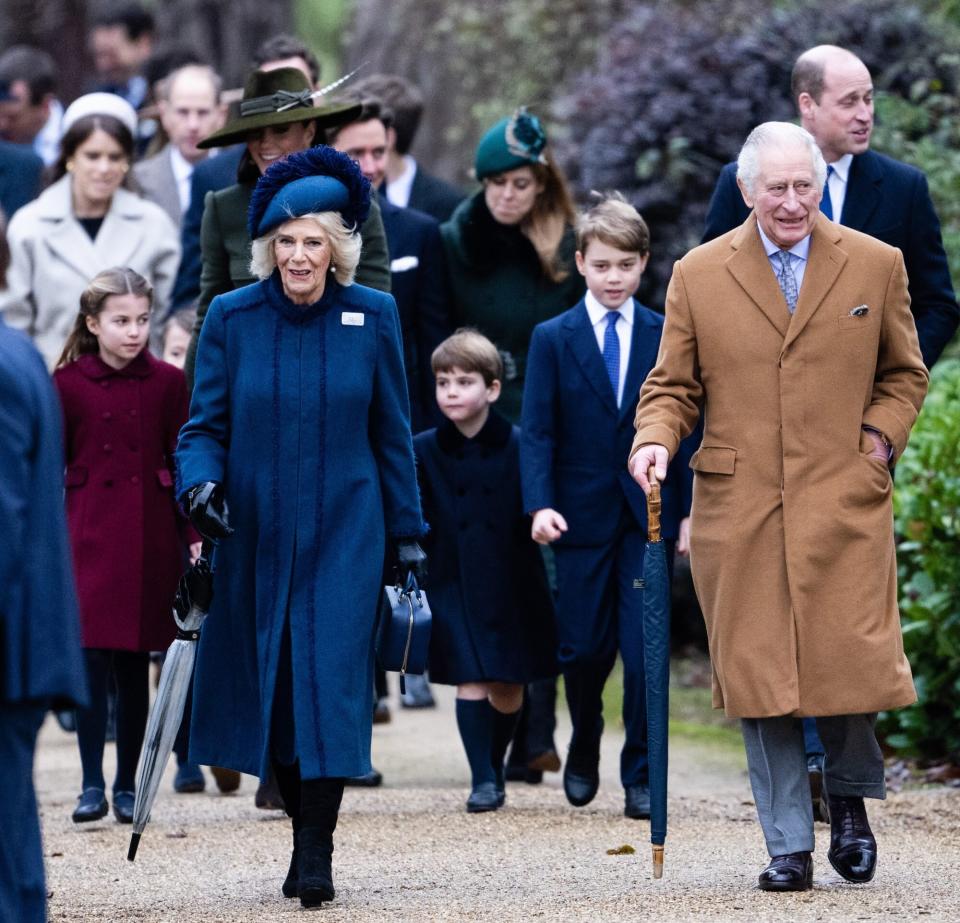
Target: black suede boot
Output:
[
  {"x": 319, "y": 809},
  {"x": 288, "y": 781}
]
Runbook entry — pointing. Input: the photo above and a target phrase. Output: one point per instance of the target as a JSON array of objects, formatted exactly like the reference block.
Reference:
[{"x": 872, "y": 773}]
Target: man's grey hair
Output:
[
  {"x": 776, "y": 134},
  {"x": 344, "y": 247}
]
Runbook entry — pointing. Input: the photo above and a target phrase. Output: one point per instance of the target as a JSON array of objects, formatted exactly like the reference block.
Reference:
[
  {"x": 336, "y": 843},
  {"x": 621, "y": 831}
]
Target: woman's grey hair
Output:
[
  {"x": 344, "y": 247},
  {"x": 779, "y": 134}
]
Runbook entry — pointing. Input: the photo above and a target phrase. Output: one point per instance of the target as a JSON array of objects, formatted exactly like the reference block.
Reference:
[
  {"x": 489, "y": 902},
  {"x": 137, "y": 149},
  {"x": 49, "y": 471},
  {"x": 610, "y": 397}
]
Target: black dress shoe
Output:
[
  {"x": 315, "y": 866},
  {"x": 484, "y": 797},
  {"x": 91, "y": 805},
  {"x": 123, "y": 806},
  {"x": 792, "y": 872},
  {"x": 853, "y": 850},
  {"x": 580, "y": 786},
  {"x": 368, "y": 780},
  {"x": 637, "y": 802}
]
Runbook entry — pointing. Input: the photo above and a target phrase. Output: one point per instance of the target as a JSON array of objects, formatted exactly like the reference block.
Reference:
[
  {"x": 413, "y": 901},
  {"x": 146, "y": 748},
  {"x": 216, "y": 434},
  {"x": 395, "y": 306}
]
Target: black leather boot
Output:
[
  {"x": 315, "y": 866},
  {"x": 291, "y": 884}
]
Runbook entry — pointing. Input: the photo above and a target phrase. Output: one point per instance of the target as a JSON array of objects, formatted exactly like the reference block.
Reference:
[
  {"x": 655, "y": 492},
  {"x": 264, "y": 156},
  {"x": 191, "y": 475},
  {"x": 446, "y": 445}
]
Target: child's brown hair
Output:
[
  {"x": 615, "y": 222},
  {"x": 470, "y": 351},
  {"x": 118, "y": 281}
]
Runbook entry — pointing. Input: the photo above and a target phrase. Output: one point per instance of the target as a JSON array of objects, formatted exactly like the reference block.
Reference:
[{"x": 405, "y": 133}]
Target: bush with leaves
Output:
[
  {"x": 676, "y": 88},
  {"x": 927, "y": 505}
]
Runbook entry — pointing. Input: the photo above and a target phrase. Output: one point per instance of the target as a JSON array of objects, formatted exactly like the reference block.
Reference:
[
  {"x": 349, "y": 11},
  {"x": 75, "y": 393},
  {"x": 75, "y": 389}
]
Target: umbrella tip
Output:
[
  {"x": 134, "y": 844},
  {"x": 658, "y": 862}
]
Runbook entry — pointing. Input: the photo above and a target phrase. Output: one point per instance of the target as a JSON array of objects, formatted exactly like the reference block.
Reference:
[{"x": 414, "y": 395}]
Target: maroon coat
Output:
[{"x": 128, "y": 538}]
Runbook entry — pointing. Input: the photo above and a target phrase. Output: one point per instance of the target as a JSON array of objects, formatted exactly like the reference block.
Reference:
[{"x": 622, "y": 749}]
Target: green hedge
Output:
[{"x": 927, "y": 508}]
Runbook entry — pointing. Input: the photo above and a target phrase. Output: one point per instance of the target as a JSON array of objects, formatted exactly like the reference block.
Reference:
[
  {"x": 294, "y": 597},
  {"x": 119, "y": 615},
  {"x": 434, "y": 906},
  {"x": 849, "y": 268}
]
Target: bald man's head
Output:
[{"x": 834, "y": 95}]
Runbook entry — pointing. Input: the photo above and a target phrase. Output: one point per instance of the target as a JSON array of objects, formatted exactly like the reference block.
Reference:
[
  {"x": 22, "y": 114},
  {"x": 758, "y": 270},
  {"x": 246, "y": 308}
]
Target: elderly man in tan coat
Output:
[{"x": 793, "y": 336}]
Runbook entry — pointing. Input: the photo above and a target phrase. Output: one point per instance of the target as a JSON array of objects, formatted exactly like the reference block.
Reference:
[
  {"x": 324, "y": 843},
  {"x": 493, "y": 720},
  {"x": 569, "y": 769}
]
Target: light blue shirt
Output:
[{"x": 798, "y": 256}]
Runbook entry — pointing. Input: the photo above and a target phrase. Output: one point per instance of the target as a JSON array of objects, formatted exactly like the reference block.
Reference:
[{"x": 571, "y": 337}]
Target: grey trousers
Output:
[{"x": 852, "y": 766}]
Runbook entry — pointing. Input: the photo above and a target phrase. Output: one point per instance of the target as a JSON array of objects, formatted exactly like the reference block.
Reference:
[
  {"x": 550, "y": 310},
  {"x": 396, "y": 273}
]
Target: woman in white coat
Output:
[{"x": 83, "y": 223}]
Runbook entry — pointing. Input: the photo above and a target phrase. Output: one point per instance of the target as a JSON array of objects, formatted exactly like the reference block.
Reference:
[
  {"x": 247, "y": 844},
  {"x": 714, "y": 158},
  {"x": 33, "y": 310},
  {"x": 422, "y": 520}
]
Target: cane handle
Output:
[{"x": 653, "y": 506}]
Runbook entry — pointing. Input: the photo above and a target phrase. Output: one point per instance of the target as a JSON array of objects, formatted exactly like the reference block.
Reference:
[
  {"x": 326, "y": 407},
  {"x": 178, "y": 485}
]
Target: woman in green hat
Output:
[
  {"x": 510, "y": 247},
  {"x": 278, "y": 116}
]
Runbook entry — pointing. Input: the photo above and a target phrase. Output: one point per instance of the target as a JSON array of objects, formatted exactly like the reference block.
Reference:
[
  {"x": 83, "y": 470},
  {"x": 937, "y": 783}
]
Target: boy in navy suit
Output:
[{"x": 584, "y": 372}]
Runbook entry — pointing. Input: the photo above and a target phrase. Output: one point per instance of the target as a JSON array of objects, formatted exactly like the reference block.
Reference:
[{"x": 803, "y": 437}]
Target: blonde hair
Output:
[
  {"x": 121, "y": 280},
  {"x": 615, "y": 222},
  {"x": 344, "y": 247},
  {"x": 470, "y": 351}
]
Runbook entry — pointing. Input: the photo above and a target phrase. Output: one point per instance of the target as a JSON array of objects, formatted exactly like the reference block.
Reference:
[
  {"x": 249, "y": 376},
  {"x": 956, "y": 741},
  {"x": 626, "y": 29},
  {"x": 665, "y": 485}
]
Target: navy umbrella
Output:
[
  {"x": 656, "y": 661},
  {"x": 190, "y": 608}
]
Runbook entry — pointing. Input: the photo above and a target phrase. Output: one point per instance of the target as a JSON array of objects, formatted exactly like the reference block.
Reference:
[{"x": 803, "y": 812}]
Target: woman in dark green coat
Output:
[{"x": 510, "y": 247}]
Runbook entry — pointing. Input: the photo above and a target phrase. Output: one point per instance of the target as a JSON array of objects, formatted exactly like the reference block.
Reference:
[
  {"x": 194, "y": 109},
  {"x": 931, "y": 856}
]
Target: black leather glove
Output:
[
  {"x": 207, "y": 510},
  {"x": 411, "y": 558}
]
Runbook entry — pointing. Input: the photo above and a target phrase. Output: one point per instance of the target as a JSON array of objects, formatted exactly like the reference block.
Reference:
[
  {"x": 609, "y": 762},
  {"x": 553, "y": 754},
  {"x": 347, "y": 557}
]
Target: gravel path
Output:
[{"x": 408, "y": 851}]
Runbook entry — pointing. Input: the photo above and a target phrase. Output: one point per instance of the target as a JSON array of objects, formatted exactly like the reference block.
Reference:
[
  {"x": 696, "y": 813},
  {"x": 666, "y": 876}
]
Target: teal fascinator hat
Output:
[{"x": 517, "y": 141}]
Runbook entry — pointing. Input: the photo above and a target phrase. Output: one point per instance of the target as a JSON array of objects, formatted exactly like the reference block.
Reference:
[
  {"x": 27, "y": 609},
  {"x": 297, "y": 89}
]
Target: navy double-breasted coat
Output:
[
  {"x": 301, "y": 412},
  {"x": 493, "y": 615},
  {"x": 128, "y": 537}
]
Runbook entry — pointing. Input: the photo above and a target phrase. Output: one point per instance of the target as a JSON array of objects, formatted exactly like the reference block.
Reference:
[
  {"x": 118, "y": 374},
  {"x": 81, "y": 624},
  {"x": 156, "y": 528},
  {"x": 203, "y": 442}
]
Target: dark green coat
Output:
[
  {"x": 225, "y": 244},
  {"x": 499, "y": 287}
]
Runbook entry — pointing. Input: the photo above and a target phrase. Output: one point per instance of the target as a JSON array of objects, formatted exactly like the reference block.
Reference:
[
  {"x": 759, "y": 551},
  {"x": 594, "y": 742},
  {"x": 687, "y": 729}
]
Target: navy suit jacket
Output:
[
  {"x": 20, "y": 171},
  {"x": 434, "y": 196},
  {"x": 210, "y": 175},
  {"x": 418, "y": 283},
  {"x": 888, "y": 200},
  {"x": 575, "y": 441}
]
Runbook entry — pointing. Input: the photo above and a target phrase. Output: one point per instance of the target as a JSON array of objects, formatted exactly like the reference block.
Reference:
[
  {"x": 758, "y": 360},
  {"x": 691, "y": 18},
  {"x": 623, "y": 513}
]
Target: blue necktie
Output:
[
  {"x": 611, "y": 353},
  {"x": 787, "y": 280},
  {"x": 826, "y": 205}
]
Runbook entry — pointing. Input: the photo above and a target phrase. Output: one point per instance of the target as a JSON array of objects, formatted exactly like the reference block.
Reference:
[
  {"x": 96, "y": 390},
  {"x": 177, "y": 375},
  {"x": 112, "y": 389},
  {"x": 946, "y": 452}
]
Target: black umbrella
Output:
[
  {"x": 190, "y": 608},
  {"x": 656, "y": 661}
]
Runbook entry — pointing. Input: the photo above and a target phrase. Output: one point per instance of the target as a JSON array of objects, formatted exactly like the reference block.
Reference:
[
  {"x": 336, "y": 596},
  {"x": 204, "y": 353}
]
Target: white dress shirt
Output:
[
  {"x": 799, "y": 253},
  {"x": 182, "y": 172},
  {"x": 598, "y": 318},
  {"x": 398, "y": 190},
  {"x": 46, "y": 145},
  {"x": 837, "y": 185}
]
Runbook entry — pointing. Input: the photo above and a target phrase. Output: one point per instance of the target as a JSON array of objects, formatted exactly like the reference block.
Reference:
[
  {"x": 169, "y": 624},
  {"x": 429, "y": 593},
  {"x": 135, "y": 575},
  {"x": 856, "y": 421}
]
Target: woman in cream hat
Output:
[{"x": 83, "y": 223}]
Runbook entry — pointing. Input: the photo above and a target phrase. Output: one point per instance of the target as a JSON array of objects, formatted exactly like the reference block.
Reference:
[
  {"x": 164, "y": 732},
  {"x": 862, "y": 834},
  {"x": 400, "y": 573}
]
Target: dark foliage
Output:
[{"x": 676, "y": 89}]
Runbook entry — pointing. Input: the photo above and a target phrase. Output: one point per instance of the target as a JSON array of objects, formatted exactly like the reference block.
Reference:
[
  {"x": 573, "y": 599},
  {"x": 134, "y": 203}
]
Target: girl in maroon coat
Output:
[{"x": 122, "y": 411}]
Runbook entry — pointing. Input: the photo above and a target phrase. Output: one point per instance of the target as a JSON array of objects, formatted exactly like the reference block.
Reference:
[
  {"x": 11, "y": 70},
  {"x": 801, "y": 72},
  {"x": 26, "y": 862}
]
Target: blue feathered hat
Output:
[{"x": 318, "y": 179}]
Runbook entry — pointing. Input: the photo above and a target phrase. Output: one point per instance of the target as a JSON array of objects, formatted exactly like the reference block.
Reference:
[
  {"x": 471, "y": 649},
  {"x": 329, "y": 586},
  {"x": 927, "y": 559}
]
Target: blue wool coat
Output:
[
  {"x": 492, "y": 612},
  {"x": 301, "y": 412}
]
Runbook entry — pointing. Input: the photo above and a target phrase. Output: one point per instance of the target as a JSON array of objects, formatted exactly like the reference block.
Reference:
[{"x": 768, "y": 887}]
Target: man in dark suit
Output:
[
  {"x": 865, "y": 191},
  {"x": 407, "y": 183},
  {"x": 20, "y": 170},
  {"x": 417, "y": 277},
  {"x": 41, "y": 664}
]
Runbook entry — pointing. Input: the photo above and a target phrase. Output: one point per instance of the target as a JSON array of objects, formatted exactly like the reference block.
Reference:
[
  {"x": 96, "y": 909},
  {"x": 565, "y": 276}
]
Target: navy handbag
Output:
[{"x": 403, "y": 636}]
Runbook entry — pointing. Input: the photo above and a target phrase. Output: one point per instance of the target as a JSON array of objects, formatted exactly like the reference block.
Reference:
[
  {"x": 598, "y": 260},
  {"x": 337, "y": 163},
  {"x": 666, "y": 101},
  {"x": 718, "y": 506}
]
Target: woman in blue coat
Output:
[{"x": 300, "y": 422}]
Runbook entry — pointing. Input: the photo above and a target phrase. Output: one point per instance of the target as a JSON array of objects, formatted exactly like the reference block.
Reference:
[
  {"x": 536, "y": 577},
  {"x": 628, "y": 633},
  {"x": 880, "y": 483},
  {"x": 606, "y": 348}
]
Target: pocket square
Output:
[
  {"x": 403, "y": 263},
  {"x": 859, "y": 311}
]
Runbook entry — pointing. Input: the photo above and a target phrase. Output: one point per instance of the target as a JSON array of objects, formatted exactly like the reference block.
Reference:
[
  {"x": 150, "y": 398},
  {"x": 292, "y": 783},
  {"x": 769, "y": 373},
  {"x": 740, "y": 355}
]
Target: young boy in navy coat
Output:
[
  {"x": 493, "y": 624},
  {"x": 584, "y": 372}
]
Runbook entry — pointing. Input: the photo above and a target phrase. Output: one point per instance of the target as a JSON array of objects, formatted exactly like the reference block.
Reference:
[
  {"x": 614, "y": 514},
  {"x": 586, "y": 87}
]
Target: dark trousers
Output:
[
  {"x": 537, "y": 723},
  {"x": 600, "y": 612},
  {"x": 130, "y": 671},
  {"x": 23, "y": 893}
]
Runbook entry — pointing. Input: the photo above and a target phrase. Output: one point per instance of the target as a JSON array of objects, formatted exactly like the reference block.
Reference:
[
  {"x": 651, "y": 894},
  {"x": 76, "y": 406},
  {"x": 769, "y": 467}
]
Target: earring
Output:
[
  {"x": 69, "y": 166},
  {"x": 333, "y": 267}
]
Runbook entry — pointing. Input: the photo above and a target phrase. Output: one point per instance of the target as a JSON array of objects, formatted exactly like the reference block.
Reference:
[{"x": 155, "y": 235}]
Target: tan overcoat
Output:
[{"x": 792, "y": 546}]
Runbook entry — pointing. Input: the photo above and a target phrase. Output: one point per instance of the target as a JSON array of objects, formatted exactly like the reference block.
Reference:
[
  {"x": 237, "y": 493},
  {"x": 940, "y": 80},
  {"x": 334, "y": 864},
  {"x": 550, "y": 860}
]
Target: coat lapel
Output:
[
  {"x": 824, "y": 263},
  {"x": 749, "y": 265},
  {"x": 864, "y": 191},
  {"x": 66, "y": 239},
  {"x": 583, "y": 344},
  {"x": 121, "y": 235},
  {"x": 643, "y": 357}
]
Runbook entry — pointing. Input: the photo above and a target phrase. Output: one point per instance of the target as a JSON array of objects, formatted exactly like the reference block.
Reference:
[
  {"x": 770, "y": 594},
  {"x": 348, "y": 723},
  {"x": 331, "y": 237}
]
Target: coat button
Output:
[
  {"x": 107, "y": 415},
  {"x": 460, "y": 456},
  {"x": 107, "y": 447},
  {"x": 134, "y": 480},
  {"x": 487, "y": 490},
  {"x": 134, "y": 446},
  {"x": 461, "y": 491},
  {"x": 462, "y": 525},
  {"x": 104, "y": 384},
  {"x": 108, "y": 483},
  {"x": 133, "y": 413}
]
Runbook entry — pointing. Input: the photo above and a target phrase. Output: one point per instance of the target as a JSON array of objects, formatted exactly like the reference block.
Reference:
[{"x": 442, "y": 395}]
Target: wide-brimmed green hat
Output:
[{"x": 278, "y": 97}]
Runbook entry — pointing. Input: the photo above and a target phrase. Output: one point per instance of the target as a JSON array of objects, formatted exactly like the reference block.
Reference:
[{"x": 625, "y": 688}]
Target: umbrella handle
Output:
[
  {"x": 658, "y": 862},
  {"x": 653, "y": 506}
]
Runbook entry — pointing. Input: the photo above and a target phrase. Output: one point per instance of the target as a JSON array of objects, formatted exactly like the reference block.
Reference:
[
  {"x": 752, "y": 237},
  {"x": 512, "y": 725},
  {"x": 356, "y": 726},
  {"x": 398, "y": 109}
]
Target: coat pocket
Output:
[
  {"x": 855, "y": 321},
  {"x": 164, "y": 477},
  {"x": 75, "y": 476},
  {"x": 714, "y": 459}
]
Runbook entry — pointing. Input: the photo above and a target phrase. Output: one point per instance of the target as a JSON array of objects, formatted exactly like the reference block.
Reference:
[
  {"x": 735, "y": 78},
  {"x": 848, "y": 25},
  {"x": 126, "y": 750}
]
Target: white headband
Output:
[{"x": 100, "y": 104}]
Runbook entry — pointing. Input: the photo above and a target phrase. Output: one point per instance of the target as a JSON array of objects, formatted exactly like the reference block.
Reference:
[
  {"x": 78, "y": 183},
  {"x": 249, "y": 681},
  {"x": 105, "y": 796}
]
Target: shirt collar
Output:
[
  {"x": 182, "y": 168},
  {"x": 598, "y": 312},
  {"x": 842, "y": 167},
  {"x": 800, "y": 249}
]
